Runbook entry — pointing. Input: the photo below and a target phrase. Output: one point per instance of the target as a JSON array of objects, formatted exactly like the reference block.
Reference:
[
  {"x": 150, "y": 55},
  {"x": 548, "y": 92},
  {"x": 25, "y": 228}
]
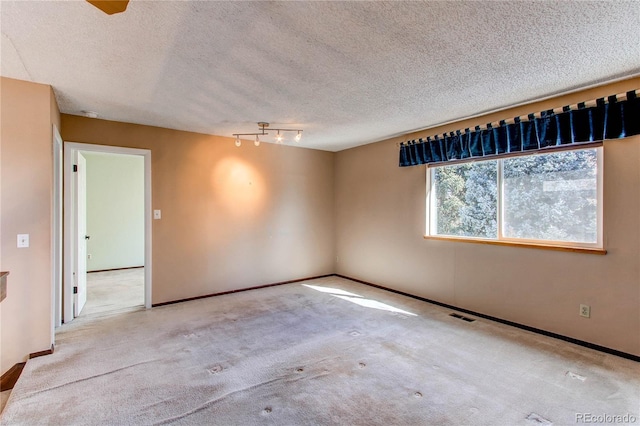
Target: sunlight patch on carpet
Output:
[{"x": 357, "y": 299}]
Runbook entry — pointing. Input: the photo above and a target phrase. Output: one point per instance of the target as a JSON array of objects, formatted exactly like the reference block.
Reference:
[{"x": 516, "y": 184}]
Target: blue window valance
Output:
[{"x": 609, "y": 118}]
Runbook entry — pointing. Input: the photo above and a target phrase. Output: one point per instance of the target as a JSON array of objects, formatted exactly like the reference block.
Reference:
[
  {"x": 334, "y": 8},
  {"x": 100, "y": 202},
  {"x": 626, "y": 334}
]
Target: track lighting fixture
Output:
[{"x": 263, "y": 128}]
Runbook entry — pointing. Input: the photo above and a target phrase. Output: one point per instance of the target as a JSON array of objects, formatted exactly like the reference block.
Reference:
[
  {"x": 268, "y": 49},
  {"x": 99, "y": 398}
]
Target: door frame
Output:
[
  {"x": 56, "y": 240},
  {"x": 70, "y": 148}
]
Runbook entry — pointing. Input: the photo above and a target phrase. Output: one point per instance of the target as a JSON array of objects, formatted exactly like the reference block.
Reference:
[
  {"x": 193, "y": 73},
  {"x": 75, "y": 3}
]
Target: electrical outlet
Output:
[
  {"x": 585, "y": 311},
  {"x": 89, "y": 256}
]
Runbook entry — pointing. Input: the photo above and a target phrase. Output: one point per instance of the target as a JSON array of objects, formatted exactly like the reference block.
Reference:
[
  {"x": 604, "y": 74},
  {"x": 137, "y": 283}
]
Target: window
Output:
[{"x": 548, "y": 199}]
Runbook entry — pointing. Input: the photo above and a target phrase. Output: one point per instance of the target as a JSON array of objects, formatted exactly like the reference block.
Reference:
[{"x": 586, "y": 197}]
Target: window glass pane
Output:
[
  {"x": 466, "y": 200},
  {"x": 551, "y": 197}
]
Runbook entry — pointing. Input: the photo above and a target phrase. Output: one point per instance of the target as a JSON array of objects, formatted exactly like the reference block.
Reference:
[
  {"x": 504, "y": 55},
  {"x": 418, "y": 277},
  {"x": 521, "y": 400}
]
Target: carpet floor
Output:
[
  {"x": 110, "y": 291},
  {"x": 327, "y": 351}
]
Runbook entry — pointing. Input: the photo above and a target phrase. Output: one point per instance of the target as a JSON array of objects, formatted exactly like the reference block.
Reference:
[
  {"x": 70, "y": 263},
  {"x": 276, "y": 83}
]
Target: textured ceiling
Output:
[{"x": 348, "y": 73}]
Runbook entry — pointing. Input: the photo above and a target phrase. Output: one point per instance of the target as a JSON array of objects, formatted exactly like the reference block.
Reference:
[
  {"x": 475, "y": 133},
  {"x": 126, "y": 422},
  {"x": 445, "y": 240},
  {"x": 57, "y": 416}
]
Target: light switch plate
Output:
[
  {"x": 23, "y": 240},
  {"x": 157, "y": 214}
]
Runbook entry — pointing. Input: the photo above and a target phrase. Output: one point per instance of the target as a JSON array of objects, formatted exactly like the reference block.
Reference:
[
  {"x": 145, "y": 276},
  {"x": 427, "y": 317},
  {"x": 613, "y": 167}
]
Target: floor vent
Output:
[{"x": 467, "y": 319}]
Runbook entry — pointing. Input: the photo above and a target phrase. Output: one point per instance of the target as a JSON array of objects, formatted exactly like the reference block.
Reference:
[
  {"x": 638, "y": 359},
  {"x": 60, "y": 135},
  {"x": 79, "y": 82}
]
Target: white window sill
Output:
[{"x": 574, "y": 249}]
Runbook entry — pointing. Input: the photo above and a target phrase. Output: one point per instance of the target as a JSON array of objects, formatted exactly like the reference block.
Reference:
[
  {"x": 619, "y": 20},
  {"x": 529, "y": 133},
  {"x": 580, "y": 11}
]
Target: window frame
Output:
[{"x": 431, "y": 217}]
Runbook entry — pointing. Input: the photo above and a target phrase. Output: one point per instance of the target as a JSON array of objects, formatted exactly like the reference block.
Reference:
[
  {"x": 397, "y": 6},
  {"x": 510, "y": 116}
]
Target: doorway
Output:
[
  {"x": 114, "y": 237},
  {"x": 78, "y": 261}
]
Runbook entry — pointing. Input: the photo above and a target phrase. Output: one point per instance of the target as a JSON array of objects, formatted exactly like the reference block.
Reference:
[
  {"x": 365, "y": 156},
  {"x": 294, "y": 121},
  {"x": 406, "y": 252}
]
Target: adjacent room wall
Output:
[
  {"x": 28, "y": 111},
  {"x": 232, "y": 217},
  {"x": 380, "y": 223},
  {"x": 115, "y": 211}
]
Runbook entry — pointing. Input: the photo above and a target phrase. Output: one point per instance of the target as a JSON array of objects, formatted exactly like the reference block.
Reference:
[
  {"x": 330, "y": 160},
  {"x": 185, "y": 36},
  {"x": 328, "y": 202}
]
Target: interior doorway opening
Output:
[
  {"x": 114, "y": 232},
  {"x": 113, "y": 271}
]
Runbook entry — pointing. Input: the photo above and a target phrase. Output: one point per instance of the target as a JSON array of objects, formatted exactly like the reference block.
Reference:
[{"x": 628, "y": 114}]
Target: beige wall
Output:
[
  {"x": 27, "y": 112},
  {"x": 380, "y": 222},
  {"x": 232, "y": 217}
]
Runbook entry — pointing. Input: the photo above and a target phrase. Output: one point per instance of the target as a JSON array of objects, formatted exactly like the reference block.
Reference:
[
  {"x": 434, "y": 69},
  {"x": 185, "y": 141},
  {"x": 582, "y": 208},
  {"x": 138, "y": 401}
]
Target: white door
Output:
[{"x": 81, "y": 237}]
